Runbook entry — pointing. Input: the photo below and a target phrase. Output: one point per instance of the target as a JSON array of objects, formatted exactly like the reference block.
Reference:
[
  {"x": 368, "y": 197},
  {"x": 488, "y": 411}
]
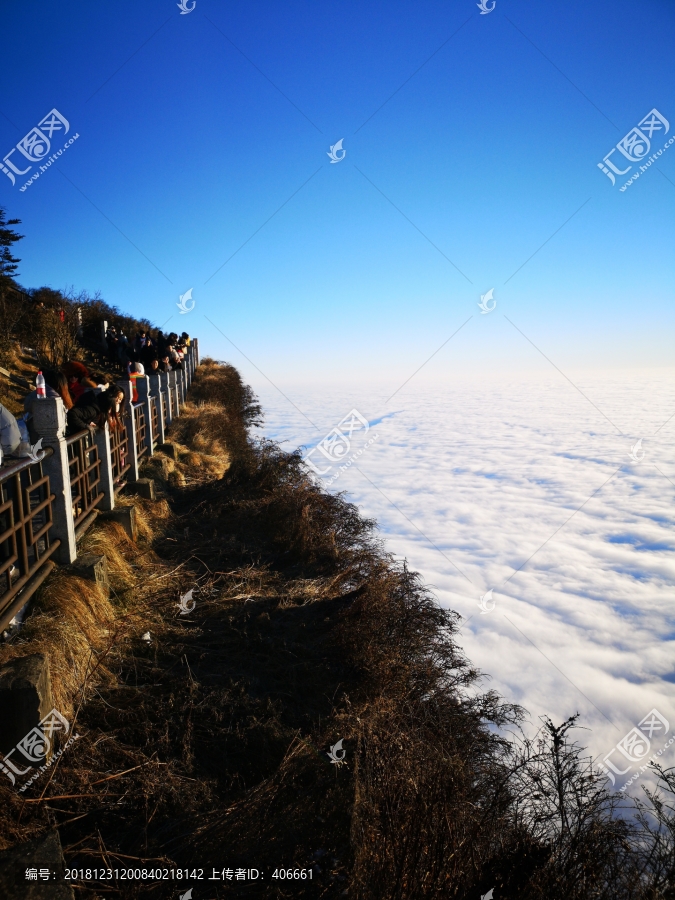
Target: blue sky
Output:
[{"x": 195, "y": 129}]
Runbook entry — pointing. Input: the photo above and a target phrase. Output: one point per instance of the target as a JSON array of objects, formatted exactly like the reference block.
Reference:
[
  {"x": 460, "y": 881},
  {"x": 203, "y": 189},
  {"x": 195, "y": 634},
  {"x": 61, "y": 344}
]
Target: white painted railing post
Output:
[
  {"x": 173, "y": 387},
  {"x": 49, "y": 419},
  {"x": 166, "y": 391},
  {"x": 156, "y": 392},
  {"x": 143, "y": 391},
  {"x": 107, "y": 483},
  {"x": 130, "y": 424}
]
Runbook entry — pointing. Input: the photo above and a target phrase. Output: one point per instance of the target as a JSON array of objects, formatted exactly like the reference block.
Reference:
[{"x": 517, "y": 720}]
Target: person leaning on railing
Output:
[{"x": 94, "y": 409}]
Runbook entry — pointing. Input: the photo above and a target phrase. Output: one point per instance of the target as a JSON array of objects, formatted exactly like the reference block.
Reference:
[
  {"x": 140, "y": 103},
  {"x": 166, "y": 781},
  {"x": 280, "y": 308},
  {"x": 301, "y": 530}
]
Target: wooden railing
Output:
[
  {"x": 25, "y": 520},
  {"x": 85, "y": 474},
  {"x": 141, "y": 429}
]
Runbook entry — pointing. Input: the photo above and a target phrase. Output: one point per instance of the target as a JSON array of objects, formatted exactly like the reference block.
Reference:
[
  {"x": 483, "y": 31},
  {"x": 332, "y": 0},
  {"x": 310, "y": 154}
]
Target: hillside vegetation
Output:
[{"x": 207, "y": 746}]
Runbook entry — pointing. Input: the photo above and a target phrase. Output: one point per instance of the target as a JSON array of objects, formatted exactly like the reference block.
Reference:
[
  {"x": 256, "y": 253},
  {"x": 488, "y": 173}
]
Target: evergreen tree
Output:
[{"x": 8, "y": 263}]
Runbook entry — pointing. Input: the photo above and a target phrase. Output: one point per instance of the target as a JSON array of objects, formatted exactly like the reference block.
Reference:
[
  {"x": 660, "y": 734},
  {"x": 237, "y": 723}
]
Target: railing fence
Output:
[
  {"x": 25, "y": 544},
  {"x": 85, "y": 474},
  {"x": 46, "y": 505}
]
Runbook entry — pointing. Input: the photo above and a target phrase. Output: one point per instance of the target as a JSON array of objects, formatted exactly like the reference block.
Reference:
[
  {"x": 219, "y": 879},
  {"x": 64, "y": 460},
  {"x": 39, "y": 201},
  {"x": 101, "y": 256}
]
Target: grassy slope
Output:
[{"x": 304, "y": 632}]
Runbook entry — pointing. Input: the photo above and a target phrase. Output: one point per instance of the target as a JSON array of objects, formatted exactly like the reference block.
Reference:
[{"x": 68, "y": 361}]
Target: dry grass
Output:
[
  {"x": 305, "y": 632},
  {"x": 200, "y": 438},
  {"x": 71, "y": 619},
  {"x": 12, "y": 394},
  {"x": 111, "y": 540}
]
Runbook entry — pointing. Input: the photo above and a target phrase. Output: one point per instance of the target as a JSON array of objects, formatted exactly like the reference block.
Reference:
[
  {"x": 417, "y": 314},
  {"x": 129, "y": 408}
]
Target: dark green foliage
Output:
[{"x": 8, "y": 237}]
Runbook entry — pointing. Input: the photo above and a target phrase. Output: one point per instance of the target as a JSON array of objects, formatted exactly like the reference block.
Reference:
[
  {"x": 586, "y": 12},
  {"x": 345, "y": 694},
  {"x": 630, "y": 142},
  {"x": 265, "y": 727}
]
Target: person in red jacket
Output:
[{"x": 79, "y": 378}]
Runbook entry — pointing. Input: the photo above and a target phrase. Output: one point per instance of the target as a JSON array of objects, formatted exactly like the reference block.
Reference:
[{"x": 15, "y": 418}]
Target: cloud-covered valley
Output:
[{"x": 527, "y": 489}]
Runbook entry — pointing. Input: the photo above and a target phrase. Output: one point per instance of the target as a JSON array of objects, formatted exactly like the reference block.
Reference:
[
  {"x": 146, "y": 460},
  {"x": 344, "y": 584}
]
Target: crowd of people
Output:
[
  {"x": 159, "y": 354},
  {"x": 91, "y": 400}
]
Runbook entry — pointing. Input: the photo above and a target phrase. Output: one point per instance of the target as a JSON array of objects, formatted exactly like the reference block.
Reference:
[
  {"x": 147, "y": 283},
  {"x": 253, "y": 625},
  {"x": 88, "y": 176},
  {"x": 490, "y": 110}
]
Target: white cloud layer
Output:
[{"x": 525, "y": 488}]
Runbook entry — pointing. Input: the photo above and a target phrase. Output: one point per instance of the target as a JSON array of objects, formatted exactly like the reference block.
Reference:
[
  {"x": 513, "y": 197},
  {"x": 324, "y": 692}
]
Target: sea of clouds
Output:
[{"x": 526, "y": 488}]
